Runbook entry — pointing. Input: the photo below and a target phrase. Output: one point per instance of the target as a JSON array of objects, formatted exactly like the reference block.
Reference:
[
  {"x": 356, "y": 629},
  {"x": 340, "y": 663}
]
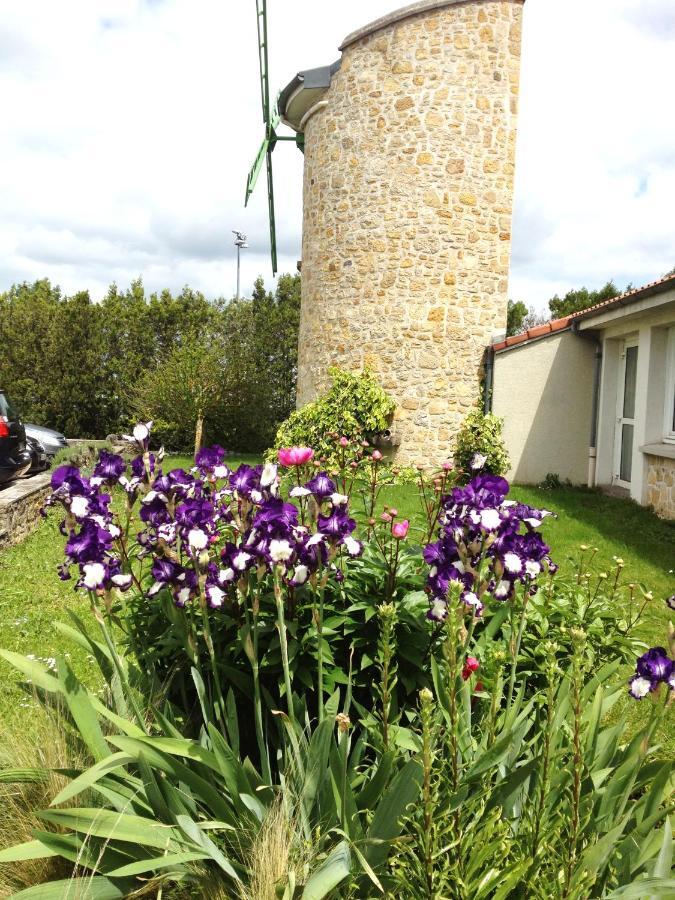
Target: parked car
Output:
[
  {"x": 52, "y": 441},
  {"x": 39, "y": 461},
  {"x": 15, "y": 458}
]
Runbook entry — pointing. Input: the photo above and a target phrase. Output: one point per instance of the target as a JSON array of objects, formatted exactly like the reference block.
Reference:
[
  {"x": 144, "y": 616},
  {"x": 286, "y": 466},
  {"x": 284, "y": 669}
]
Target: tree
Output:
[
  {"x": 575, "y": 301},
  {"x": 182, "y": 392},
  {"x": 515, "y": 316}
]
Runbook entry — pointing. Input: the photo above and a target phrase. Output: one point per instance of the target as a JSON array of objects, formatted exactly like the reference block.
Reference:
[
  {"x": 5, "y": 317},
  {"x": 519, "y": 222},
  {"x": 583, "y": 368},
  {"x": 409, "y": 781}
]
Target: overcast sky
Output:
[{"x": 128, "y": 127}]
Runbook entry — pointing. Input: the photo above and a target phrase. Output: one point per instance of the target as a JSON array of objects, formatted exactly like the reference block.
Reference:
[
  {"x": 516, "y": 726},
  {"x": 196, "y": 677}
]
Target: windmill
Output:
[{"x": 271, "y": 120}]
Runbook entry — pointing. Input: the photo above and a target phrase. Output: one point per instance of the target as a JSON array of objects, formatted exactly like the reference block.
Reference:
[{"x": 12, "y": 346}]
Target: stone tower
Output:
[{"x": 409, "y": 146}]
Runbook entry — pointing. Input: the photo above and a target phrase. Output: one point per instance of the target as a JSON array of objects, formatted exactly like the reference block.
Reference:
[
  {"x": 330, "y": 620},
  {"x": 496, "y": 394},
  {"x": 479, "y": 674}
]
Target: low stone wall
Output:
[
  {"x": 661, "y": 485},
  {"x": 20, "y": 504}
]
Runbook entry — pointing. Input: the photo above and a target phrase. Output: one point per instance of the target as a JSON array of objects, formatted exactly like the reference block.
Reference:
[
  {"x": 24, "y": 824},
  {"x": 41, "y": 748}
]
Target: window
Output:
[{"x": 669, "y": 411}]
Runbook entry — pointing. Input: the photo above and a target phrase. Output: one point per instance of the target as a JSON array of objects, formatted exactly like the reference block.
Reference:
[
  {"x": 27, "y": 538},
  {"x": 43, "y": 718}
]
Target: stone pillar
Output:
[{"x": 407, "y": 211}]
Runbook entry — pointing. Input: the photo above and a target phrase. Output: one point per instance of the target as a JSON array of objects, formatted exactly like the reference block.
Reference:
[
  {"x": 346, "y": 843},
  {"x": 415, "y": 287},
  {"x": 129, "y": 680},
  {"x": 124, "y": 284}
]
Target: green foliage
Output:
[
  {"x": 519, "y": 317},
  {"x": 77, "y": 366},
  {"x": 355, "y": 406},
  {"x": 182, "y": 393},
  {"x": 575, "y": 301},
  {"x": 482, "y": 433}
]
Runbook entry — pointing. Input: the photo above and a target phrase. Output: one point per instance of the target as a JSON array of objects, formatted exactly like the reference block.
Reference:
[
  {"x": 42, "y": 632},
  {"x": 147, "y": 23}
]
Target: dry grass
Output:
[{"x": 48, "y": 745}]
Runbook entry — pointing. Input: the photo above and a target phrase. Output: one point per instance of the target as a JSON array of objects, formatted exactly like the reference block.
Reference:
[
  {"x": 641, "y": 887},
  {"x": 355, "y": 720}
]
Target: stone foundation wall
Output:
[
  {"x": 661, "y": 485},
  {"x": 20, "y": 504},
  {"x": 407, "y": 213}
]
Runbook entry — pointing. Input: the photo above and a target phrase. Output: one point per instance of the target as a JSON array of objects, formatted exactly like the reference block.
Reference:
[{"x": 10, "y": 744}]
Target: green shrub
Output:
[
  {"x": 482, "y": 433},
  {"x": 355, "y": 406}
]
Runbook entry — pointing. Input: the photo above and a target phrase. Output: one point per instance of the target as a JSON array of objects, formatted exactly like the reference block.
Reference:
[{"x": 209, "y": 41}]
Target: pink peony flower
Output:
[
  {"x": 344, "y": 442},
  {"x": 400, "y": 529},
  {"x": 472, "y": 665},
  {"x": 295, "y": 456},
  {"x": 377, "y": 456}
]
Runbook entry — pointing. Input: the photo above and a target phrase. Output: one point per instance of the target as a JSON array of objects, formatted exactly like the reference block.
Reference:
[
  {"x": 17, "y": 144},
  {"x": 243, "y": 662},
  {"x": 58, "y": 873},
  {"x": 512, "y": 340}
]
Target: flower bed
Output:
[{"x": 285, "y": 664}]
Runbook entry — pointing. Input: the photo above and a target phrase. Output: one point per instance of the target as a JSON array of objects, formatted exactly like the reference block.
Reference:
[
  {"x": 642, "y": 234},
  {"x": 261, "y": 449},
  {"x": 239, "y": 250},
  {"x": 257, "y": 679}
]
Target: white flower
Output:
[
  {"x": 269, "y": 475},
  {"x": 183, "y": 596},
  {"x": 512, "y": 563},
  {"x": 490, "y": 519},
  {"x": 156, "y": 588},
  {"x": 439, "y": 610},
  {"x": 225, "y": 575},
  {"x": 640, "y": 687},
  {"x": 150, "y": 496},
  {"x": 471, "y": 599},
  {"x": 198, "y": 539},
  {"x": 316, "y": 539},
  {"x": 141, "y": 432},
  {"x": 502, "y": 589},
  {"x": 79, "y": 507},
  {"x": 299, "y": 491},
  {"x": 352, "y": 546},
  {"x": 478, "y": 461},
  {"x": 256, "y": 496},
  {"x": 215, "y": 595},
  {"x": 221, "y": 471},
  {"x": 300, "y": 574},
  {"x": 240, "y": 560},
  {"x": 339, "y": 499},
  {"x": 121, "y": 581},
  {"x": 280, "y": 550},
  {"x": 532, "y": 568},
  {"x": 94, "y": 574}
]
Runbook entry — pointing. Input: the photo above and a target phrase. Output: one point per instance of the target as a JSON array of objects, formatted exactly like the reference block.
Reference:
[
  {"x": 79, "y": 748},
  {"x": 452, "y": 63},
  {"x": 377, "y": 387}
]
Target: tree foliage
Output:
[
  {"x": 575, "y": 301},
  {"x": 78, "y": 365}
]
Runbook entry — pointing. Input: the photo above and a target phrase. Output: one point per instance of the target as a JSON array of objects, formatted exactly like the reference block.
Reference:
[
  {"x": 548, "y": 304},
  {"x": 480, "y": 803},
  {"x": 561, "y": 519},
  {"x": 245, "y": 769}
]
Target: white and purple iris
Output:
[
  {"x": 653, "y": 668},
  {"x": 487, "y": 543}
]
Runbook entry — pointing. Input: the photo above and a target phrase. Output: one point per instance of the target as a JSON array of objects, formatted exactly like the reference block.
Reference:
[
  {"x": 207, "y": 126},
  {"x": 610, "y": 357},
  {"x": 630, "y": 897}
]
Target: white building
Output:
[{"x": 591, "y": 397}]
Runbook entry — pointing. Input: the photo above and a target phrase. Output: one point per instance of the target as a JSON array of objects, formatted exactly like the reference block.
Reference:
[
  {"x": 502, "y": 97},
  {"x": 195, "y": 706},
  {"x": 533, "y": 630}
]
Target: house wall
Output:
[
  {"x": 407, "y": 213},
  {"x": 652, "y": 469},
  {"x": 544, "y": 391}
]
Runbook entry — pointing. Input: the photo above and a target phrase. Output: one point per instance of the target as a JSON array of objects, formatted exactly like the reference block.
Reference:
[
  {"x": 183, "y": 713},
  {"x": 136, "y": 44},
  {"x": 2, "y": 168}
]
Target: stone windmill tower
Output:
[{"x": 409, "y": 143}]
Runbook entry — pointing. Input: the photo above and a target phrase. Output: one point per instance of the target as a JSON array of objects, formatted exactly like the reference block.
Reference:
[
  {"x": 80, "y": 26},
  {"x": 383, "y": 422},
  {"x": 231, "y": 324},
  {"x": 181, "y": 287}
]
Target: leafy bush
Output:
[
  {"x": 355, "y": 407},
  {"x": 305, "y": 714},
  {"x": 481, "y": 434}
]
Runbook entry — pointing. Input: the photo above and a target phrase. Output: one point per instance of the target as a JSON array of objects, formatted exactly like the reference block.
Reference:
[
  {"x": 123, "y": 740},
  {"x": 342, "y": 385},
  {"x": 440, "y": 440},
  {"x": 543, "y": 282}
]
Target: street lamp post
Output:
[{"x": 240, "y": 244}]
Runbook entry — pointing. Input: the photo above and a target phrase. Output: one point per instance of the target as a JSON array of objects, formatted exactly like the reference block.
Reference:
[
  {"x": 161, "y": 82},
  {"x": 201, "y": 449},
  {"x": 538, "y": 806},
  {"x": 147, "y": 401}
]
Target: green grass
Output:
[{"x": 32, "y": 597}]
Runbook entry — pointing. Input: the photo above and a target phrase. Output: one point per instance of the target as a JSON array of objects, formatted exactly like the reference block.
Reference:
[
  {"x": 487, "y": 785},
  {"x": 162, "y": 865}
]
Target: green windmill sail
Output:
[{"x": 271, "y": 120}]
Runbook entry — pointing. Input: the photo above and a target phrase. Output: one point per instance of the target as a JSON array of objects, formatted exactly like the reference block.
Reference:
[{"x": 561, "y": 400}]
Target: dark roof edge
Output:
[
  {"x": 648, "y": 290},
  {"x": 310, "y": 78},
  {"x": 404, "y": 12}
]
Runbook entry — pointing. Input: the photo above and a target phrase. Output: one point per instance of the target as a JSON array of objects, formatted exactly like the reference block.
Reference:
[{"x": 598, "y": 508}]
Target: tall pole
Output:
[{"x": 240, "y": 244}]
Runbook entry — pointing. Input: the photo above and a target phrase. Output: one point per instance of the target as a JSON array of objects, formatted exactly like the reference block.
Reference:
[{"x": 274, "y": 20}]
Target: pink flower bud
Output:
[
  {"x": 344, "y": 442},
  {"x": 400, "y": 529},
  {"x": 354, "y": 465},
  {"x": 447, "y": 466},
  {"x": 377, "y": 456},
  {"x": 393, "y": 511},
  {"x": 295, "y": 456},
  {"x": 385, "y": 517}
]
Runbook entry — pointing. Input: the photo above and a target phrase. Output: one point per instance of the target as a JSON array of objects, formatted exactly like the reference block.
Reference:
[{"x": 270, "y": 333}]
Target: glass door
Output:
[{"x": 625, "y": 420}]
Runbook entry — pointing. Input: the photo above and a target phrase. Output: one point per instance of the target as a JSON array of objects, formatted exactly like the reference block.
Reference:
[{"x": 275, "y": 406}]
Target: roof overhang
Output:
[
  {"x": 634, "y": 304},
  {"x": 304, "y": 93}
]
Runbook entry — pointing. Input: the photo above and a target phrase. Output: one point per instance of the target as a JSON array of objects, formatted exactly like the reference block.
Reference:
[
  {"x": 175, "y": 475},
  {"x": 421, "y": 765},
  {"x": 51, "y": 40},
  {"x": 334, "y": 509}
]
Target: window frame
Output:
[{"x": 669, "y": 399}]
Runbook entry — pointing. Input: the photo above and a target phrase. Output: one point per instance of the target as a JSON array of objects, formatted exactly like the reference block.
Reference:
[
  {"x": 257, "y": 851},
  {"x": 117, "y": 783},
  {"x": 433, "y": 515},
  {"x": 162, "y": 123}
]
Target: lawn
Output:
[{"x": 32, "y": 597}]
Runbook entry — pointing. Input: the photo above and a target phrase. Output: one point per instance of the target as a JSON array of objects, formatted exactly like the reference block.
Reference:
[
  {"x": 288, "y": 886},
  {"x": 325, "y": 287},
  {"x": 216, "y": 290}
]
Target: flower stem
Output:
[
  {"x": 281, "y": 626},
  {"x": 515, "y": 650}
]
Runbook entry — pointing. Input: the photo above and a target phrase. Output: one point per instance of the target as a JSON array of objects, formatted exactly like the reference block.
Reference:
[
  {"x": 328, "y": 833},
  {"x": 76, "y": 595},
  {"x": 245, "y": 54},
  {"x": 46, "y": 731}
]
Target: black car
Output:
[{"x": 15, "y": 458}]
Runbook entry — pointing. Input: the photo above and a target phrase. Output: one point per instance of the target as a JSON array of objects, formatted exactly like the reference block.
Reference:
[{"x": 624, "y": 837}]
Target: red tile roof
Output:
[{"x": 539, "y": 331}]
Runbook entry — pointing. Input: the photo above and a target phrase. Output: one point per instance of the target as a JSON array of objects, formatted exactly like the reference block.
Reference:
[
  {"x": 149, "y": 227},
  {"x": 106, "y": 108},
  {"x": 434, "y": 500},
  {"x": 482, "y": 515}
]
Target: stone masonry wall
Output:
[
  {"x": 661, "y": 486},
  {"x": 407, "y": 214},
  {"x": 20, "y": 504}
]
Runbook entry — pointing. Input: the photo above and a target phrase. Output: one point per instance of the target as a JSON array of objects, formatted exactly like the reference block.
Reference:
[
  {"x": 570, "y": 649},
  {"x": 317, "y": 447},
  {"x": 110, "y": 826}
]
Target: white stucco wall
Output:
[{"x": 543, "y": 390}]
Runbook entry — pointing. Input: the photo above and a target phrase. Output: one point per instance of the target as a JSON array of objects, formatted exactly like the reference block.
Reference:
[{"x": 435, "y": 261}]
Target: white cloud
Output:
[{"x": 128, "y": 128}]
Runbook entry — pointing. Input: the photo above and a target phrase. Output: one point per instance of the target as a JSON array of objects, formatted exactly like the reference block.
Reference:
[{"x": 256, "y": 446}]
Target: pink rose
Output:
[
  {"x": 295, "y": 456},
  {"x": 400, "y": 529}
]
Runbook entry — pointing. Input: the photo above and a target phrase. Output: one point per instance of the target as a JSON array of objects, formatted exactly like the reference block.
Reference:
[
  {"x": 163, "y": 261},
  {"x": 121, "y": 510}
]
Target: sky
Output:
[{"x": 128, "y": 128}]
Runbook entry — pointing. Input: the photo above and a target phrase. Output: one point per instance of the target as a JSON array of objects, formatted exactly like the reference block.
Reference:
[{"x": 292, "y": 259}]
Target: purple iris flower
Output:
[
  {"x": 246, "y": 479},
  {"x": 656, "y": 665},
  {"x": 321, "y": 486},
  {"x": 138, "y": 465},
  {"x": 110, "y": 466},
  {"x": 336, "y": 524},
  {"x": 208, "y": 458}
]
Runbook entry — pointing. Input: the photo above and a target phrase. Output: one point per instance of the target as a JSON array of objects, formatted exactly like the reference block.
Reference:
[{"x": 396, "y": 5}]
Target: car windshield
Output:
[{"x": 5, "y": 407}]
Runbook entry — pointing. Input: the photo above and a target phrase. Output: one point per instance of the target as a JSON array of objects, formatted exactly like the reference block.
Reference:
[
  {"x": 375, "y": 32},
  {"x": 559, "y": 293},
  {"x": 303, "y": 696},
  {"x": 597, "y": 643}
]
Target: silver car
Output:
[{"x": 51, "y": 440}]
